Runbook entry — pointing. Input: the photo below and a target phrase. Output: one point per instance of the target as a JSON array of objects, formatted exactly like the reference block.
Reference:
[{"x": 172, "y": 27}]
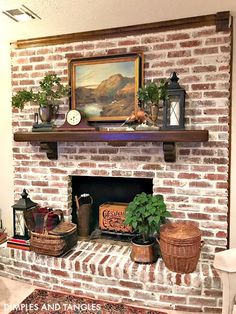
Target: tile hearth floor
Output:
[{"x": 14, "y": 292}]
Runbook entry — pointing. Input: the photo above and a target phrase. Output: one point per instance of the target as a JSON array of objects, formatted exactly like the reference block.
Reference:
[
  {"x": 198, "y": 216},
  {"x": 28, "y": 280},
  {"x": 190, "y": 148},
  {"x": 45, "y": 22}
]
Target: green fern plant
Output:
[
  {"x": 153, "y": 92},
  {"x": 51, "y": 89},
  {"x": 146, "y": 213}
]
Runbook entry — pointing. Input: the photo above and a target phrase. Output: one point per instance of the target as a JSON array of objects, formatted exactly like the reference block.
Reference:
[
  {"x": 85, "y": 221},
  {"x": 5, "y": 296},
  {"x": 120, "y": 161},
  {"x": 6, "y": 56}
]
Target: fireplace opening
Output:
[{"x": 107, "y": 190}]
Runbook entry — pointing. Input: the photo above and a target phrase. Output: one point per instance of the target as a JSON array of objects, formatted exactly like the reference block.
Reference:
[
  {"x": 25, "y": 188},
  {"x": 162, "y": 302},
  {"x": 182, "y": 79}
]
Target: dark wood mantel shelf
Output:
[{"x": 48, "y": 140}]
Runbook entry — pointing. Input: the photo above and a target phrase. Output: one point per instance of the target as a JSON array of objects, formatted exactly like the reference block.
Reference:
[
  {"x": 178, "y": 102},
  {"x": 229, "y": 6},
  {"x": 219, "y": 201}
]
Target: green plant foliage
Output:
[
  {"x": 146, "y": 213},
  {"x": 50, "y": 89},
  {"x": 153, "y": 93}
]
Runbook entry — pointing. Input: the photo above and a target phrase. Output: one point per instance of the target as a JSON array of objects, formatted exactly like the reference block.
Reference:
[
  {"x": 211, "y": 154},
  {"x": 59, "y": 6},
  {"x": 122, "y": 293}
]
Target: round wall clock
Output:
[{"x": 73, "y": 117}]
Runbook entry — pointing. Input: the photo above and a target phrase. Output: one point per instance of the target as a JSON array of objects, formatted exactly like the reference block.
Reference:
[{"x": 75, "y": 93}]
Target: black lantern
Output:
[
  {"x": 174, "y": 106},
  {"x": 24, "y": 204}
]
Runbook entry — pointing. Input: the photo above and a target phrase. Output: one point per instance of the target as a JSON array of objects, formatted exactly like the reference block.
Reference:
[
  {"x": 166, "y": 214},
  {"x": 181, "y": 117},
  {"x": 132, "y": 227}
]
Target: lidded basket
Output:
[{"x": 180, "y": 244}]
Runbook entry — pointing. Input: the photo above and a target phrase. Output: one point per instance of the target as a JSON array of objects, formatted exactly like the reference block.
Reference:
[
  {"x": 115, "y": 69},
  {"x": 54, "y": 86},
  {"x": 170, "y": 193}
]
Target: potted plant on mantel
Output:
[
  {"x": 146, "y": 213},
  {"x": 151, "y": 96},
  {"x": 51, "y": 89}
]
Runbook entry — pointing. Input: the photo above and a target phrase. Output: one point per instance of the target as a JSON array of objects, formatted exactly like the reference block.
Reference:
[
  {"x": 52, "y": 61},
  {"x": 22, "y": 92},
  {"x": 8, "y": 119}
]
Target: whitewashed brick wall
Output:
[{"x": 195, "y": 187}]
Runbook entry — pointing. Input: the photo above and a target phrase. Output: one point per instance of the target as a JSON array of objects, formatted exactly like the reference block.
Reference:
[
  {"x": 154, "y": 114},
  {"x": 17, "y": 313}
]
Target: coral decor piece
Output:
[{"x": 44, "y": 301}]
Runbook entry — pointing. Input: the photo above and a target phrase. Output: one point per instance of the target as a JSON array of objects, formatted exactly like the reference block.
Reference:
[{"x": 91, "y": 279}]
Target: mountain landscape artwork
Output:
[{"x": 106, "y": 90}]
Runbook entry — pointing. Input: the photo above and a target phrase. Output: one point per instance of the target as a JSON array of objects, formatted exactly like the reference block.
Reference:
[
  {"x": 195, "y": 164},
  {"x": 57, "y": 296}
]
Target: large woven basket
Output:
[
  {"x": 61, "y": 239},
  {"x": 180, "y": 245}
]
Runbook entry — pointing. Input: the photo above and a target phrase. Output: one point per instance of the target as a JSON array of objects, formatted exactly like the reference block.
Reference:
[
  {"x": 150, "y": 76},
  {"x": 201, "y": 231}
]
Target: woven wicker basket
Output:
[
  {"x": 180, "y": 245},
  {"x": 61, "y": 239}
]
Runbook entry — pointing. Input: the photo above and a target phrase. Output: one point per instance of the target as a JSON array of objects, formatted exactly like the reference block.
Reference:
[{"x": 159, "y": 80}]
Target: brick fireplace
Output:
[{"x": 195, "y": 187}]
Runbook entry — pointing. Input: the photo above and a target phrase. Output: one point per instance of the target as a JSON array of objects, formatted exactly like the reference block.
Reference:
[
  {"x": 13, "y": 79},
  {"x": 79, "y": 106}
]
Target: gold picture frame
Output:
[{"x": 105, "y": 88}]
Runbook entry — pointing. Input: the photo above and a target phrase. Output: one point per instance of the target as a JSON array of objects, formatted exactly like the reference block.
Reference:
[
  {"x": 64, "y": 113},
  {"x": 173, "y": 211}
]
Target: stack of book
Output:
[
  {"x": 3, "y": 237},
  {"x": 18, "y": 244}
]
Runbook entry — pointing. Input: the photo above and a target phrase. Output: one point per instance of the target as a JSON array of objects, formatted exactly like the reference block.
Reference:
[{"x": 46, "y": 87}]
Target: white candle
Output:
[{"x": 174, "y": 113}]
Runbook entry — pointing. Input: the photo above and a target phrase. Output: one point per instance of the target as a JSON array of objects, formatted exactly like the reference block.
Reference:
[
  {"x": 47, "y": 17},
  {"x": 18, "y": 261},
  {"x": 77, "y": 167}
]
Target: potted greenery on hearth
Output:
[
  {"x": 51, "y": 89},
  {"x": 146, "y": 213}
]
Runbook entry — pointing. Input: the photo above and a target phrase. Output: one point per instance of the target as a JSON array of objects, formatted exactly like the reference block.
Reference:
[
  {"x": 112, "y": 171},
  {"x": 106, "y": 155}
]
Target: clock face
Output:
[{"x": 73, "y": 117}]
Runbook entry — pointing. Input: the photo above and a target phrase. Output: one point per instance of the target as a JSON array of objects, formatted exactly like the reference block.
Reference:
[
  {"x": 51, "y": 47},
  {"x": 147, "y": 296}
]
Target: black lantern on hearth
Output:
[
  {"x": 174, "y": 106},
  {"x": 19, "y": 209}
]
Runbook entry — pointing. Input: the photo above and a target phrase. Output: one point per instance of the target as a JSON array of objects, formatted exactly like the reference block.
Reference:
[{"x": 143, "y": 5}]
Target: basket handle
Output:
[
  {"x": 58, "y": 212},
  {"x": 82, "y": 195}
]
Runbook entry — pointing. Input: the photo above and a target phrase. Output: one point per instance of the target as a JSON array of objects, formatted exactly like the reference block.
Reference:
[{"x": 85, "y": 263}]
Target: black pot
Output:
[{"x": 48, "y": 113}]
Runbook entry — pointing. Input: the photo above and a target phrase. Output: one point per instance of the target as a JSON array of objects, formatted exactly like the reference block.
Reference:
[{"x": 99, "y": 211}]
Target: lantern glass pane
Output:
[
  {"x": 174, "y": 110},
  {"x": 19, "y": 223}
]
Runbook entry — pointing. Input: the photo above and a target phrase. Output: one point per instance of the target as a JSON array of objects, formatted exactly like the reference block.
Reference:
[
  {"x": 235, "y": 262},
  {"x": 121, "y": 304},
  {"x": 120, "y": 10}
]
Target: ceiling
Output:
[{"x": 71, "y": 16}]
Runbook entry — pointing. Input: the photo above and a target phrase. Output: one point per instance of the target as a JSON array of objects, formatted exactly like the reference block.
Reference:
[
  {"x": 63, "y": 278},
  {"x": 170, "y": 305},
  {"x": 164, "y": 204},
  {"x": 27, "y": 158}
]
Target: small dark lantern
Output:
[
  {"x": 24, "y": 204},
  {"x": 174, "y": 106}
]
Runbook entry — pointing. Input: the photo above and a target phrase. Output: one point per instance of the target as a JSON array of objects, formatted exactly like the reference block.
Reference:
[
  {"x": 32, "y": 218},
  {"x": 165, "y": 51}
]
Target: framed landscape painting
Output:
[{"x": 105, "y": 88}]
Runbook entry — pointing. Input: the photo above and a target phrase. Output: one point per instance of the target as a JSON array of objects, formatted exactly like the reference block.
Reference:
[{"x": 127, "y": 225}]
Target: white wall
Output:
[
  {"x": 66, "y": 16},
  {"x": 6, "y": 163}
]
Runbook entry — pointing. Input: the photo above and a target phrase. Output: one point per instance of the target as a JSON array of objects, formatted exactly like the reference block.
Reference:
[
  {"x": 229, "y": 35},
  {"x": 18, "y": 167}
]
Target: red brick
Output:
[
  {"x": 221, "y": 234},
  {"x": 64, "y": 49},
  {"x": 163, "y": 64},
  {"x": 217, "y": 40},
  {"x": 202, "y": 301},
  {"x": 205, "y": 51},
  {"x": 30, "y": 274},
  {"x": 177, "y": 36},
  {"x": 222, "y": 185},
  {"x": 204, "y": 32},
  {"x": 199, "y": 216},
  {"x": 156, "y": 73},
  {"x": 203, "y": 86},
  {"x": 225, "y": 49},
  {"x": 190, "y": 43},
  {"x": 51, "y": 191},
  {"x": 164, "y": 46},
  {"x": 61, "y": 289},
  {"x": 176, "y": 214},
  {"x": 27, "y": 82},
  {"x": 22, "y": 60},
  {"x": 208, "y": 309},
  {"x": 152, "y": 39},
  {"x": 172, "y": 299},
  {"x": 43, "y": 66},
  {"x": 217, "y": 177},
  {"x": 189, "y": 176},
  {"x": 188, "y": 61},
  {"x": 128, "y": 42},
  {"x": 100, "y": 172},
  {"x": 216, "y": 94},
  {"x": 203, "y": 69},
  {"x": 130, "y": 284},
  {"x": 116, "y": 51},
  {"x": 40, "y": 269},
  {"x": 58, "y": 272},
  {"x": 87, "y": 46},
  {"x": 204, "y": 200},
  {"x": 188, "y": 308},
  {"x": 73, "y": 284},
  {"x": 223, "y": 161},
  {"x": 44, "y": 51},
  {"x": 139, "y": 49},
  {"x": 48, "y": 279},
  {"x": 36, "y": 59},
  {"x": 200, "y": 184},
  {"x": 82, "y": 277},
  {"x": 179, "y": 54},
  {"x": 120, "y": 292}
]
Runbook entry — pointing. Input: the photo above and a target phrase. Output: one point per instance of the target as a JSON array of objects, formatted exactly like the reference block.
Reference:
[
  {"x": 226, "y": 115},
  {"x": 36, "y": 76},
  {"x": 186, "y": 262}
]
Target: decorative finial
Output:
[
  {"x": 24, "y": 194},
  {"x": 174, "y": 81}
]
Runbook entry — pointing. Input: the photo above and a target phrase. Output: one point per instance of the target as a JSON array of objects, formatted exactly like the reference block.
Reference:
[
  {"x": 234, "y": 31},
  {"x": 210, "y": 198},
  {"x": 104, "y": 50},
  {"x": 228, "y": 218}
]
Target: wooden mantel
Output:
[{"x": 48, "y": 140}]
